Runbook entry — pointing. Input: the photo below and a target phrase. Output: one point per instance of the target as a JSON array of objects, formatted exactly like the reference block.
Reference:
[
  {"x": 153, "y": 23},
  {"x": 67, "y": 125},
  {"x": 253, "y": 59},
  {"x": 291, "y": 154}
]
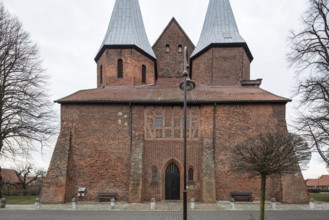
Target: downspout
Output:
[
  {"x": 131, "y": 125},
  {"x": 214, "y": 131}
]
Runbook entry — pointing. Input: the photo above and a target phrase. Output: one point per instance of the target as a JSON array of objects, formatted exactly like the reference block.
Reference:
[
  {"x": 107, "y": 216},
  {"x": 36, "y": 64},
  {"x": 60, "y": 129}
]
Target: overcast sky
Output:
[{"x": 70, "y": 32}]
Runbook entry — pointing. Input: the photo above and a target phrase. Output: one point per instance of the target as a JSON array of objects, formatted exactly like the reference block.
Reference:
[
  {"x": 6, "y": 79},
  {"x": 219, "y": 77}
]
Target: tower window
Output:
[
  {"x": 143, "y": 74},
  {"x": 101, "y": 74},
  {"x": 190, "y": 174},
  {"x": 167, "y": 48},
  {"x": 180, "y": 48},
  {"x": 120, "y": 68}
]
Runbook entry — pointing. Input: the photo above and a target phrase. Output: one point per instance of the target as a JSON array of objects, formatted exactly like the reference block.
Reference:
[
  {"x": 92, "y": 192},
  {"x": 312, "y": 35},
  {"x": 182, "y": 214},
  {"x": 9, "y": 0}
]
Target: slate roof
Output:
[
  {"x": 219, "y": 26},
  {"x": 167, "y": 91},
  {"x": 126, "y": 28}
]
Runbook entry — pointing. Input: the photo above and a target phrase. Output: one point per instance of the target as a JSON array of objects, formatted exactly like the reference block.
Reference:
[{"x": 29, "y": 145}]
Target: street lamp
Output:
[{"x": 186, "y": 85}]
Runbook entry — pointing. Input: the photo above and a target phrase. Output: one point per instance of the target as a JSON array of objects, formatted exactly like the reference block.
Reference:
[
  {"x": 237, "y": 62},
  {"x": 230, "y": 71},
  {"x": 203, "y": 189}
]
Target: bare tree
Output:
[
  {"x": 26, "y": 113},
  {"x": 26, "y": 175},
  {"x": 309, "y": 53},
  {"x": 270, "y": 153}
]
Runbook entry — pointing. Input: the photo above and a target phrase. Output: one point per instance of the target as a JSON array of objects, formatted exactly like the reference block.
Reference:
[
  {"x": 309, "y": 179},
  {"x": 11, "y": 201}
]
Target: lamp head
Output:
[{"x": 190, "y": 85}]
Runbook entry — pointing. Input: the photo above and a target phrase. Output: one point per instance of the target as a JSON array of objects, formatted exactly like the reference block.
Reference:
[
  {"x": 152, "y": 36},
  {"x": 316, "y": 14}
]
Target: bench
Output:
[
  {"x": 242, "y": 196},
  {"x": 106, "y": 196}
]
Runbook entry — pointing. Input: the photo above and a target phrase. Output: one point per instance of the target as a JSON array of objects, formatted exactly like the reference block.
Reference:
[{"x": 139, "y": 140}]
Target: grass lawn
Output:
[
  {"x": 21, "y": 200},
  {"x": 323, "y": 197}
]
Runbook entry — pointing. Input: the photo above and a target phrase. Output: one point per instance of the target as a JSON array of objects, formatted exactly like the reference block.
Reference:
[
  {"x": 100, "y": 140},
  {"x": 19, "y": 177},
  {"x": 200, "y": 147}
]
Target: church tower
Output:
[
  {"x": 125, "y": 57},
  {"x": 221, "y": 57}
]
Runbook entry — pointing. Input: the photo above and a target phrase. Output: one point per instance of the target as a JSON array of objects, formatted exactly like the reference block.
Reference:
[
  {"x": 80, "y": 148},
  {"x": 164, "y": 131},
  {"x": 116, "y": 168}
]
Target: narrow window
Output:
[
  {"x": 101, "y": 74},
  {"x": 167, "y": 48},
  {"x": 120, "y": 68},
  {"x": 154, "y": 175},
  {"x": 190, "y": 174},
  {"x": 143, "y": 74},
  {"x": 180, "y": 49}
]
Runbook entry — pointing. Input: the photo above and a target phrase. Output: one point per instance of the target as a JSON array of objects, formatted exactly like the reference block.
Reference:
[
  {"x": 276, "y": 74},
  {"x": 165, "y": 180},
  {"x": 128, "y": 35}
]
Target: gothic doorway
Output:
[{"x": 172, "y": 182}]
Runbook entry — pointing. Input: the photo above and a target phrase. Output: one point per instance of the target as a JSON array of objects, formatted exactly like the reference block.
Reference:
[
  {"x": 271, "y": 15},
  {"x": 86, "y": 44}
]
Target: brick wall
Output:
[
  {"x": 98, "y": 156},
  {"x": 98, "y": 148},
  {"x": 221, "y": 67},
  {"x": 170, "y": 64},
  {"x": 160, "y": 153},
  {"x": 234, "y": 125},
  {"x": 132, "y": 68}
]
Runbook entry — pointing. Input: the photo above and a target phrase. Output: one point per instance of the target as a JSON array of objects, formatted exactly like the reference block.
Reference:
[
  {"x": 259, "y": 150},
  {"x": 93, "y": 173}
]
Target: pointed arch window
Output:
[
  {"x": 120, "y": 68},
  {"x": 143, "y": 74},
  {"x": 154, "y": 175},
  {"x": 101, "y": 74},
  {"x": 190, "y": 174}
]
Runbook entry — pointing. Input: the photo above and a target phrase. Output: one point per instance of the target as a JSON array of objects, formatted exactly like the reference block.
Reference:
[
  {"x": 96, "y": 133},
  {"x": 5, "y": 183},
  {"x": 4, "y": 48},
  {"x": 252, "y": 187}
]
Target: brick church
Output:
[{"x": 126, "y": 135}]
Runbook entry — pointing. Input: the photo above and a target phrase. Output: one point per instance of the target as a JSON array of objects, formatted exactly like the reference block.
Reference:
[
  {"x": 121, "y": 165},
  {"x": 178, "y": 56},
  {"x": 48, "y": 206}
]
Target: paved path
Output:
[{"x": 158, "y": 215}]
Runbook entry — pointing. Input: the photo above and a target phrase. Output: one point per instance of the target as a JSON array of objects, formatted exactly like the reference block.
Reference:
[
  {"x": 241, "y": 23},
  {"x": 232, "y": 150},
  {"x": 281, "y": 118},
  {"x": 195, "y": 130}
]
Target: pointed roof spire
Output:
[
  {"x": 219, "y": 27},
  {"x": 126, "y": 28}
]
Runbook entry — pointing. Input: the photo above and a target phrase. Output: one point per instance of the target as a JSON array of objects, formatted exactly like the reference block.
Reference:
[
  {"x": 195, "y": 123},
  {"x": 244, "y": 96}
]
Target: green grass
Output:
[
  {"x": 21, "y": 200},
  {"x": 323, "y": 197}
]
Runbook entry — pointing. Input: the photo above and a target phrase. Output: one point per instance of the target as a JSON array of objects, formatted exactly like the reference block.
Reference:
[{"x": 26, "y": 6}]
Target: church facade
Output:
[{"x": 126, "y": 135}]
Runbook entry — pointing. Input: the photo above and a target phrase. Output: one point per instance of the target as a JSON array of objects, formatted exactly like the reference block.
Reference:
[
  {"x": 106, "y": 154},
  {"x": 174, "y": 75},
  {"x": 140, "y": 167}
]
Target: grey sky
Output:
[{"x": 70, "y": 32}]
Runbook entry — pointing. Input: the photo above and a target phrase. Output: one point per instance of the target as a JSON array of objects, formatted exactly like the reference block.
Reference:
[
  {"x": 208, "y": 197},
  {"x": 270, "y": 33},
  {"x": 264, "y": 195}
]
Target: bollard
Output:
[
  {"x": 112, "y": 203},
  {"x": 192, "y": 205},
  {"x": 37, "y": 203},
  {"x": 232, "y": 204},
  {"x": 312, "y": 204},
  {"x": 152, "y": 203},
  {"x": 74, "y": 203},
  {"x": 273, "y": 203},
  {"x": 3, "y": 203}
]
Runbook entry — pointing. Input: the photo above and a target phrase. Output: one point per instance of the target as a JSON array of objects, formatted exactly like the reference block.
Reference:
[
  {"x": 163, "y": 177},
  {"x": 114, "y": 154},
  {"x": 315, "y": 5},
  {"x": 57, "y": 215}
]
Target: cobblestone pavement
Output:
[{"x": 158, "y": 215}]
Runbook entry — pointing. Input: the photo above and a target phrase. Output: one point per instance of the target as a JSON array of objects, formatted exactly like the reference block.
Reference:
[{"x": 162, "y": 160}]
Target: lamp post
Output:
[{"x": 186, "y": 85}]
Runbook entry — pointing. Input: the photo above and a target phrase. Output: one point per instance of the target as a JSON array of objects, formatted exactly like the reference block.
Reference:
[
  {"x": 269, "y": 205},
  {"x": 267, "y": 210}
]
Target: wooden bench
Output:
[
  {"x": 242, "y": 196},
  {"x": 106, "y": 196}
]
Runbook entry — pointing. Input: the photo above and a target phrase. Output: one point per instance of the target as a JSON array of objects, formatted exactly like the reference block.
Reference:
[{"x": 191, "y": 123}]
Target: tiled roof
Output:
[
  {"x": 219, "y": 26},
  {"x": 126, "y": 27},
  {"x": 9, "y": 176},
  {"x": 322, "y": 181},
  {"x": 167, "y": 91}
]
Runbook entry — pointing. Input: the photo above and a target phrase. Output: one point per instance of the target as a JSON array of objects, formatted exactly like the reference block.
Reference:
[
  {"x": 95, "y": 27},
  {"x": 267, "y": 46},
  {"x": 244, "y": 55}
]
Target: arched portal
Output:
[{"x": 172, "y": 182}]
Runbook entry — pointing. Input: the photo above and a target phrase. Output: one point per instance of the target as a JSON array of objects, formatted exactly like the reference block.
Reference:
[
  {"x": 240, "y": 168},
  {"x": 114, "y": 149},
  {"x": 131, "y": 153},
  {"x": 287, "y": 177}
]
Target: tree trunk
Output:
[{"x": 262, "y": 197}]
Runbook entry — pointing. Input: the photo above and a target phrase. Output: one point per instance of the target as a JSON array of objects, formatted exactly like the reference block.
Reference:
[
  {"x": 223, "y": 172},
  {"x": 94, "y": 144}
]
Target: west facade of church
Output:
[{"x": 126, "y": 135}]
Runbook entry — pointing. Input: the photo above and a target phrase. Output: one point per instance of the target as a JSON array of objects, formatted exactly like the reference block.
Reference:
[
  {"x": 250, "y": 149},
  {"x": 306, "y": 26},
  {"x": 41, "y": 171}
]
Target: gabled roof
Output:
[
  {"x": 173, "y": 20},
  {"x": 126, "y": 28},
  {"x": 167, "y": 91},
  {"x": 219, "y": 28},
  {"x": 9, "y": 176}
]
